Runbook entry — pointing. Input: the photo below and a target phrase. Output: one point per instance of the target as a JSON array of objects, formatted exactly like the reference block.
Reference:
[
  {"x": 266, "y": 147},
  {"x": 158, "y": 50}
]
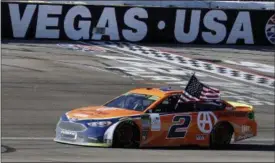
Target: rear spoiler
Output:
[{"x": 238, "y": 104}]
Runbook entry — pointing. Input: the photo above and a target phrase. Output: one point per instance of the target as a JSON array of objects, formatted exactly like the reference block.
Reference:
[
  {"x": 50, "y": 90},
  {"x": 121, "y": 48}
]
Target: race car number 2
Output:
[{"x": 179, "y": 130}]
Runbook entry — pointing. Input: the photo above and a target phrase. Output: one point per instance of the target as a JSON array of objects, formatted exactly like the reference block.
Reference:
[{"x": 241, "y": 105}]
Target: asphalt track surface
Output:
[{"x": 40, "y": 81}]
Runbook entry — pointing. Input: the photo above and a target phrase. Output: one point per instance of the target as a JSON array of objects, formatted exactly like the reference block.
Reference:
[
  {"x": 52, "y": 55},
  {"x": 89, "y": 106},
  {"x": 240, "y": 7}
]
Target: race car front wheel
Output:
[
  {"x": 221, "y": 135},
  {"x": 126, "y": 136}
]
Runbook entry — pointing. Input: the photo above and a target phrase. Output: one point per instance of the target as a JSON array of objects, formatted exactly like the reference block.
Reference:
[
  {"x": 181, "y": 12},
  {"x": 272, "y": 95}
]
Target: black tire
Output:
[
  {"x": 126, "y": 135},
  {"x": 221, "y": 135}
]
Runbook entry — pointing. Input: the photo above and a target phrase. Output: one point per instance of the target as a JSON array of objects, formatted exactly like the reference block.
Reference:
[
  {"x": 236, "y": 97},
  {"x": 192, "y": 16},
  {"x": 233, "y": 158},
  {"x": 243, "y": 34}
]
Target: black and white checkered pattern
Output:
[{"x": 191, "y": 63}]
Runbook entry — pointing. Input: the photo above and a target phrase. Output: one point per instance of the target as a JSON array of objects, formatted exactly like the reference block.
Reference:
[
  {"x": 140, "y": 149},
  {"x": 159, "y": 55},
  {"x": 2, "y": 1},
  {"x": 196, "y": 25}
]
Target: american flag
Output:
[{"x": 197, "y": 91}]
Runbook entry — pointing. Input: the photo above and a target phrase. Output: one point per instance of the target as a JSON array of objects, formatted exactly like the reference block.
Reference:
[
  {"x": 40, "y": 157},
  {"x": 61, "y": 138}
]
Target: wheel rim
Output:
[
  {"x": 126, "y": 136},
  {"x": 221, "y": 135}
]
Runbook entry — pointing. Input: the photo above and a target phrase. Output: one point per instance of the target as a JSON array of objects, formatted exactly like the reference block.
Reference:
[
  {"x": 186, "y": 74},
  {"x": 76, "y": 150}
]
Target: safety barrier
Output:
[
  {"x": 226, "y": 4},
  {"x": 137, "y": 24}
]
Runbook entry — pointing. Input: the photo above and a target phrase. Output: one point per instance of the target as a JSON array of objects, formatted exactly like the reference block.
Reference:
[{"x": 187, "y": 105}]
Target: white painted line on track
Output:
[
  {"x": 258, "y": 139},
  {"x": 86, "y": 66},
  {"x": 27, "y": 138}
]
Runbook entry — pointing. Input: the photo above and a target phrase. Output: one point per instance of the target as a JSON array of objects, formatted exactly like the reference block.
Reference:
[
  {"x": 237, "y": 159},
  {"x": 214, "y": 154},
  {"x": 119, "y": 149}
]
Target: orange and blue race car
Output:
[{"x": 152, "y": 117}]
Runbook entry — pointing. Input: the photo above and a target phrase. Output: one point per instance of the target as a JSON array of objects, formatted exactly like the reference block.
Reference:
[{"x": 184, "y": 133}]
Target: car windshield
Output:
[{"x": 138, "y": 102}]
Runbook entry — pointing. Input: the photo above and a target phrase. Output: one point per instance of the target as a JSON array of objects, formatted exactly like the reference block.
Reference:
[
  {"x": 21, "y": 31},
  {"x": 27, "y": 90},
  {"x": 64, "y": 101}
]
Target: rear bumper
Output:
[{"x": 246, "y": 131}]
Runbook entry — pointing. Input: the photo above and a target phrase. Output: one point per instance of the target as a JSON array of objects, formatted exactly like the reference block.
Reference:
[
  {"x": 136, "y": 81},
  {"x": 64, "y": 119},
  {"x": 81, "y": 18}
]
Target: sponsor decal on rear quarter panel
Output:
[{"x": 206, "y": 121}]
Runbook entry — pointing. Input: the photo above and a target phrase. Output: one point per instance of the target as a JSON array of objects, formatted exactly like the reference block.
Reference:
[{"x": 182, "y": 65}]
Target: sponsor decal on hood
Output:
[{"x": 100, "y": 112}]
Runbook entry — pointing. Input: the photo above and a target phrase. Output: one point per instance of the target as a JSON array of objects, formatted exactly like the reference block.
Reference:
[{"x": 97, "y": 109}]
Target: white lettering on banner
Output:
[
  {"x": 179, "y": 33},
  {"x": 47, "y": 16},
  {"x": 206, "y": 119},
  {"x": 20, "y": 26},
  {"x": 108, "y": 16},
  {"x": 211, "y": 24},
  {"x": 242, "y": 29},
  {"x": 255, "y": 66},
  {"x": 44, "y": 21},
  {"x": 83, "y": 31},
  {"x": 139, "y": 26},
  {"x": 78, "y": 24}
]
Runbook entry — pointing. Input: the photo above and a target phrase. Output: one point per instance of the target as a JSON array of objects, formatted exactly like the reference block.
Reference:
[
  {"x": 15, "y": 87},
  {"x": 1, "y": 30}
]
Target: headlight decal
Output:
[{"x": 100, "y": 123}]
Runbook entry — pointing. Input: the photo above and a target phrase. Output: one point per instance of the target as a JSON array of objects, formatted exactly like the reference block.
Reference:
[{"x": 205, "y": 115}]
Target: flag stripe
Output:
[
  {"x": 210, "y": 94},
  {"x": 197, "y": 91},
  {"x": 205, "y": 89},
  {"x": 185, "y": 97}
]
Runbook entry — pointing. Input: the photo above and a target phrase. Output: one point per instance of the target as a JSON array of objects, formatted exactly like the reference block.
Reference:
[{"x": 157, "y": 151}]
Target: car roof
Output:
[{"x": 160, "y": 92}]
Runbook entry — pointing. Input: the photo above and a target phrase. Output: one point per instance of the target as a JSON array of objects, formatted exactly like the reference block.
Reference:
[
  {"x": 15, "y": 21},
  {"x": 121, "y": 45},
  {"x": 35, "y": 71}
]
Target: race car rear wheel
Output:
[
  {"x": 221, "y": 135},
  {"x": 126, "y": 136}
]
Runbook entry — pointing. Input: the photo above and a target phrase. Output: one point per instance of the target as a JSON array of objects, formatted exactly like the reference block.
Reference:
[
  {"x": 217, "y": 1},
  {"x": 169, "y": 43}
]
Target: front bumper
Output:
[
  {"x": 78, "y": 133},
  {"x": 83, "y": 143}
]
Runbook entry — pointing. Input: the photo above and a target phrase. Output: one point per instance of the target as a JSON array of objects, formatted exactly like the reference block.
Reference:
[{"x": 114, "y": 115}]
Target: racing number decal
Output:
[{"x": 179, "y": 130}]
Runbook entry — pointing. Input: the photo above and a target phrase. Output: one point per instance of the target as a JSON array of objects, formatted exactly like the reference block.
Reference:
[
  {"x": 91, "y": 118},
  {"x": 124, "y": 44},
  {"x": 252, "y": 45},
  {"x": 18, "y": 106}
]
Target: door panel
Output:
[
  {"x": 179, "y": 126},
  {"x": 174, "y": 128},
  {"x": 151, "y": 136},
  {"x": 179, "y": 129}
]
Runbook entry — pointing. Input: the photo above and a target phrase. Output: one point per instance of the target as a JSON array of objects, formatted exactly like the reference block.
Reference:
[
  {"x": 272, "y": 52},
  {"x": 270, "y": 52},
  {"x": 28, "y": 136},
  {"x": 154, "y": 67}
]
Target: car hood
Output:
[{"x": 100, "y": 112}]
